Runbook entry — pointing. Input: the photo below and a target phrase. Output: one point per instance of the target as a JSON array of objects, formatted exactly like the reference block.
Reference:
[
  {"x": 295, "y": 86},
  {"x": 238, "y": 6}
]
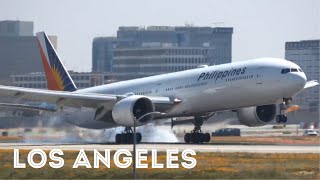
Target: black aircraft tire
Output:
[
  {"x": 187, "y": 138},
  {"x": 123, "y": 138},
  {"x": 207, "y": 137},
  {"x": 196, "y": 137},
  {"x": 129, "y": 138},
  {"x": 201, "y": 137},
  {"x": 191, "y": 138},
  {"x": 284, "y": 118},
  {"x": 139, "y": 137},
  {"x": 118, "y": 138}
]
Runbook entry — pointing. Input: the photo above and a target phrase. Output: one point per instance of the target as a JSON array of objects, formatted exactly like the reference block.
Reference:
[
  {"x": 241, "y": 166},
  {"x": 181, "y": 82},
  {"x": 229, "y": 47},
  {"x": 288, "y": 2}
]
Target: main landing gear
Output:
[
  {"x": 282, "y": 118},
  {"x": 196, "y": 136},
  {"x": 127, "y": 137}
]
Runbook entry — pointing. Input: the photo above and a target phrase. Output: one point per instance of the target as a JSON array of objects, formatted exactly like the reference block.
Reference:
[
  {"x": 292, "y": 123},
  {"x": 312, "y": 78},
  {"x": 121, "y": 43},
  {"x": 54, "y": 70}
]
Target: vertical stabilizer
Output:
[{"x": 57, "y": 76}]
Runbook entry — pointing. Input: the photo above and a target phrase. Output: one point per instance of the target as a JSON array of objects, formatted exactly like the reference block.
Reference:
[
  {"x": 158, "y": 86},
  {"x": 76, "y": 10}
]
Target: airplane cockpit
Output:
[{"x": 287, "y": 70}]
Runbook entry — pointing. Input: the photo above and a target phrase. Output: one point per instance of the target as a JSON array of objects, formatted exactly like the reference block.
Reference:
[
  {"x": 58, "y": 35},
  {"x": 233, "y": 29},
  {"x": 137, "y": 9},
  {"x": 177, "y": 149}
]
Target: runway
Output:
[{"x": 179, "y": 146}]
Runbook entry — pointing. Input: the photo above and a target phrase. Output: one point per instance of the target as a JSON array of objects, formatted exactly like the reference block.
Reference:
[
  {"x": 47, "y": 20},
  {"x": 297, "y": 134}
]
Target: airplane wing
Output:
[
  {"x": 27, "y": 107},
  {"x": 72, "y": 99},
  {"x": 311, "y": 83}
]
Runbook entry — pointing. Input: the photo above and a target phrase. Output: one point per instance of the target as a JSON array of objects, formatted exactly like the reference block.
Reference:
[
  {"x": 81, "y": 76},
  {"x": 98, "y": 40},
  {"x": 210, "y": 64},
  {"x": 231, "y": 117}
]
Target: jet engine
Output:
[
  {"x": 131, "y": 109},
  {"x": 257, "y": 115}
]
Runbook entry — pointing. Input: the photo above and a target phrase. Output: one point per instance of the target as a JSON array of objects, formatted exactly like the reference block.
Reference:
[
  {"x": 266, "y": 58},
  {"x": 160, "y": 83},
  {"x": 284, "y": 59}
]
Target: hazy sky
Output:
[{"x": 261, "y": 27}]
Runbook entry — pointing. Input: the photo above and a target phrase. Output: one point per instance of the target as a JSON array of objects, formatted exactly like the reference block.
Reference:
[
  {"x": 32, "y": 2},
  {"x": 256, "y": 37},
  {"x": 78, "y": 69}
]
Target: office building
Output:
[
  {"x": 177, "y": 46},
  {"x": 102, "y": 53},
  {"x": 19, "y": 51},
  {"x": 142, "y": 62},
  {"x": 16, "y": 28},
  {"x": 38, "y": 80},
  {"x": 306, "y": 54}
]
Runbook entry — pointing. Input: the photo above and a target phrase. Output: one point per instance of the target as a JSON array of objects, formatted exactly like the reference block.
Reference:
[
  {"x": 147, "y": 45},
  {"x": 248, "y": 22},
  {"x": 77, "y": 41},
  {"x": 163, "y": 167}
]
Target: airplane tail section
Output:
[{"x": 57, "y": 76}]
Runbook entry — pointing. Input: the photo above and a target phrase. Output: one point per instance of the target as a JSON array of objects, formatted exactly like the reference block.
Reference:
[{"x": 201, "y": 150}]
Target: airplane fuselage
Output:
[{"x": 209, "y": 89}]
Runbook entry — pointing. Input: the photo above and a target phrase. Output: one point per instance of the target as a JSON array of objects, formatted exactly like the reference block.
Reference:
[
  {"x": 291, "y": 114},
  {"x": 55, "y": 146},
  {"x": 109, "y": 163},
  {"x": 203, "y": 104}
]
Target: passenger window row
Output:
[
  {"x": 143, "y": 93},
  {"x": 240, "y": 78}
]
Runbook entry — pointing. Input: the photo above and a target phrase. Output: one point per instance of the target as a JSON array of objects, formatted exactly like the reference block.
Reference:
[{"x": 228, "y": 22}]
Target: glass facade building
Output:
[
  {"x": 160, "y": 49},
  {"x": 306, "y": 55}
]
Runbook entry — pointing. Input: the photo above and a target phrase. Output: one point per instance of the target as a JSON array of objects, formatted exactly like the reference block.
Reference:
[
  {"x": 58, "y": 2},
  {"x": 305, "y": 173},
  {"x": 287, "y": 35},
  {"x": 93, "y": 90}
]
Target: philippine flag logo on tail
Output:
[{"x": 57, "y": 76}]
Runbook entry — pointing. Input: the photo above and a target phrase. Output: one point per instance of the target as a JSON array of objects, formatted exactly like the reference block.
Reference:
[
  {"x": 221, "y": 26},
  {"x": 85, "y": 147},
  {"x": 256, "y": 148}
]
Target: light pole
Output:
[{"x": 135, "y": 140}]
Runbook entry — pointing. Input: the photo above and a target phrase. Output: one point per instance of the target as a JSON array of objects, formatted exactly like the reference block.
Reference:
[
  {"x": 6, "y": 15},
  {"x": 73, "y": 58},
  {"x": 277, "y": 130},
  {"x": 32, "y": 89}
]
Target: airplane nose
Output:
[{"x": 300, "y": 79}]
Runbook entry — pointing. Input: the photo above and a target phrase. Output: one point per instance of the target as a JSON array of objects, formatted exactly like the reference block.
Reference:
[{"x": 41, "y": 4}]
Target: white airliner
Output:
[{"x": 252, "y": 88}]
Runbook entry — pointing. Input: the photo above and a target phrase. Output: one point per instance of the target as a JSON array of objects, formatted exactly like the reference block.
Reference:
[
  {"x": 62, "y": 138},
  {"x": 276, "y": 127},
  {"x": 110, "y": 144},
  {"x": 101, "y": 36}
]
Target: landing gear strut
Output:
[
  {"x": 127, "y": 137},
  {"x": 196, "y": 136},
  {"x": 282, "y": 118}
]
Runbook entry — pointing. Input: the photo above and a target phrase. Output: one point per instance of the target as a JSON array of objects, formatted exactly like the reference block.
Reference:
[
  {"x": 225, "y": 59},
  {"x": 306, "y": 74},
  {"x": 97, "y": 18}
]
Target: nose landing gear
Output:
[
  {"x": 127, "y": 137},
  {"x": 196, "y": 136},
  {"x": 282, "y": 118}
]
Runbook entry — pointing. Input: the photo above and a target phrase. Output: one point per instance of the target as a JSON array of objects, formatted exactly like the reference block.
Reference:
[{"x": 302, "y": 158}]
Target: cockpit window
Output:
[
  {"x": 284, "y": 71},
  {"x": 300, "y": 70}
]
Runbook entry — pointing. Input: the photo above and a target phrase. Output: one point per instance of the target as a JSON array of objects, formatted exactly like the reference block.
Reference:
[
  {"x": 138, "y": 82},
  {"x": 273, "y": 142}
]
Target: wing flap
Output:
[{"x": 27, "y": 107}]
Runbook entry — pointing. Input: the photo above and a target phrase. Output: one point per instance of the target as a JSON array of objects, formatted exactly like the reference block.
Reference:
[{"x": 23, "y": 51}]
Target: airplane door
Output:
[
  {"x": 259, "y": 75},
  {"x": 157, "y": 88}
]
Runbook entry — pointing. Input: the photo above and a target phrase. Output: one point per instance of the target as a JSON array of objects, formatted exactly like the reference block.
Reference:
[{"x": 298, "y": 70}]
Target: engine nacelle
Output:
[
  {"x": 257, "y": 115},
  {"x": 130, "y": 109}
]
